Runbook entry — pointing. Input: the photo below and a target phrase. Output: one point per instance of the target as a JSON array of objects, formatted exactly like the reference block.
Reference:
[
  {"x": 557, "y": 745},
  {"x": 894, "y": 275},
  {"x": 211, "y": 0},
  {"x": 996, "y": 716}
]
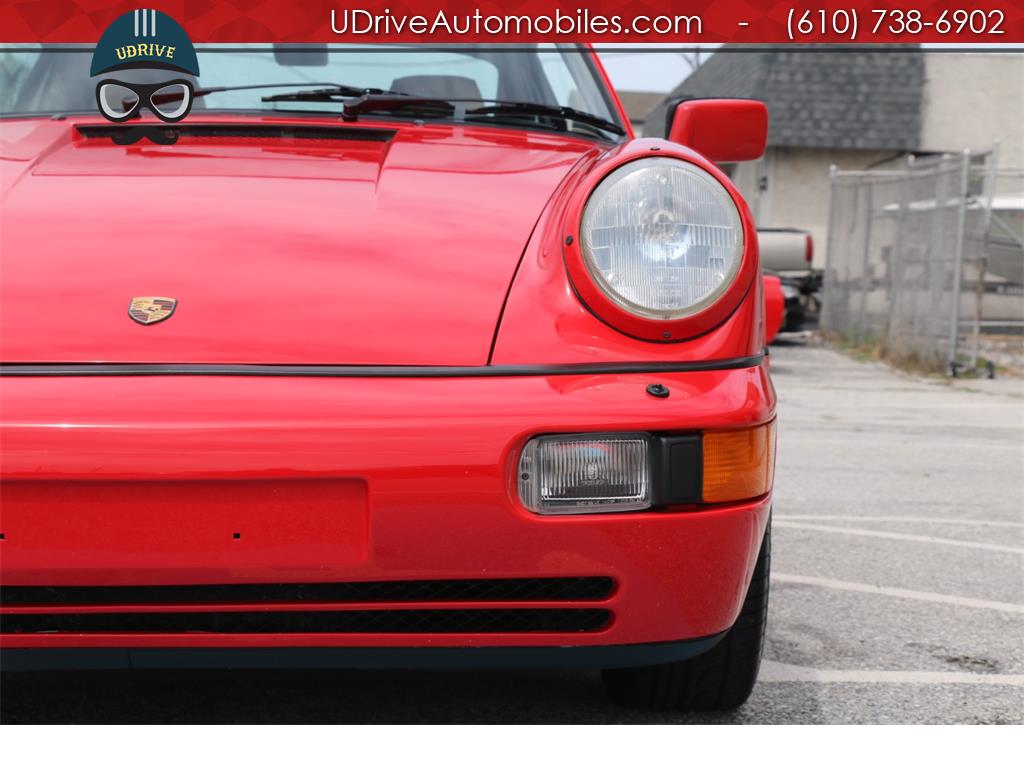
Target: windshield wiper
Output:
[
  {"x": 369, "y": 100},
  {"x": 335, "y": 92},
  {"x": 531, "y": 109},
  {"x": 335, "y": 89},
  {"x": 375, "y": 100},
  {"x": 393, "y": 101}
]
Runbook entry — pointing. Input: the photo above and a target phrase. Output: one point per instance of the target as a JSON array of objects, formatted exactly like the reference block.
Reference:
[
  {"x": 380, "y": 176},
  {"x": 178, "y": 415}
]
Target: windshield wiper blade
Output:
[
  {"x": 323, "y": 86},
  {"x": 335, "y": 93},
  {"x": 347, "y": 90},
  {"x": 529, "y": 108},
  {"x": 328, "y": 92},
  {"x": 369, "y": 102},
  {"x": 393, "y": 101},
  {"x": 356, "y": 101}
]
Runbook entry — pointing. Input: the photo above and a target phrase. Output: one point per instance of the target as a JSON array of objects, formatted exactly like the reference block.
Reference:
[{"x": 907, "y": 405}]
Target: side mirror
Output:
[{"x": 723, "y": 130}]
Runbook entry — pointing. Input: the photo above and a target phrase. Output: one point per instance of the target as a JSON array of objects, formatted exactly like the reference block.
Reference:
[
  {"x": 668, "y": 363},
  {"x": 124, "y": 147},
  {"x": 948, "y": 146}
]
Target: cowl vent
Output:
[{"x": 261, "y": 131}]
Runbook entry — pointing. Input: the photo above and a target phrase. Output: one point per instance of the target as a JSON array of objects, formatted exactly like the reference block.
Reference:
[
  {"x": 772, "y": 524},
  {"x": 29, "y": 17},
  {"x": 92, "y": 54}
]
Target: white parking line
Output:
[
  {"x": 903, "y": 519},
  {"x": 899, "y": 536},
  {"x": 777, "y": 672},
  {"x": 912, "y": 594}
]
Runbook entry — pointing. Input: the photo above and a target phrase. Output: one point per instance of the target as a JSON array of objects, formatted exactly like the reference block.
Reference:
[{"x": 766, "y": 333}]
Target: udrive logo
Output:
[{"x": 149, "y": 63}]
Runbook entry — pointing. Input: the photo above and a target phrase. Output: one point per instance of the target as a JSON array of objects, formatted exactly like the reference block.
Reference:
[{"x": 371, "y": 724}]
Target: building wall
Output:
[
  {"x": 796, "y": 185},
  {"x": 972, "y": 101}
]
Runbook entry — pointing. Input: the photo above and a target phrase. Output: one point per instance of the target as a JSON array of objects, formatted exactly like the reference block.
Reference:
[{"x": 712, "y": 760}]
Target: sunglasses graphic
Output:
[{"x": 119, "y": 101}]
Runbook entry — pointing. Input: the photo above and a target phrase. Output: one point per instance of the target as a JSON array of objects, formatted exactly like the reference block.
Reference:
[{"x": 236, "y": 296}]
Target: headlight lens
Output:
[{"x": 662, "y": 238}]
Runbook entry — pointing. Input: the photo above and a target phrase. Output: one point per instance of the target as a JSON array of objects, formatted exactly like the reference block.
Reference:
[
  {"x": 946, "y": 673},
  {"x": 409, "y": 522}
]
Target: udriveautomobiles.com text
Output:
[{"x": 582, "y": 23}]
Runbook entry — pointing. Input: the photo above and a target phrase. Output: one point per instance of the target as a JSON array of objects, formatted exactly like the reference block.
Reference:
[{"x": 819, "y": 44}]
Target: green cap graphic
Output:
[{"x": 144, "y": 38}]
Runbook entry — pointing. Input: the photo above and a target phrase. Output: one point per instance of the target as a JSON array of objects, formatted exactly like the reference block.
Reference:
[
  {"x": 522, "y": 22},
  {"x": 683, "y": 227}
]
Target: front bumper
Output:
[{"x": 149, "y": 481}]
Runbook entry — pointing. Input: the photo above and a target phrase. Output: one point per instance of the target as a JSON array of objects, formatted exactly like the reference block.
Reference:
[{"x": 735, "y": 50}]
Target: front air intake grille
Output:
[
  {"x": 576, "y": 589},
  {"x": 468, "y": 621}
]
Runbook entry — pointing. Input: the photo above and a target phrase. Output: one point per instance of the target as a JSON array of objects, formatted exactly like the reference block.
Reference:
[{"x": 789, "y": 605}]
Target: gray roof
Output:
[
  {"x": 638, "y": 103},
  {"x": 818, "y": 96}
]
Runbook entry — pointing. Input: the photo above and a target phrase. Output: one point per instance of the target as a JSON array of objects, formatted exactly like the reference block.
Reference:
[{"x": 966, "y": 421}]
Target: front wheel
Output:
[{"x": 721, "y": 678}]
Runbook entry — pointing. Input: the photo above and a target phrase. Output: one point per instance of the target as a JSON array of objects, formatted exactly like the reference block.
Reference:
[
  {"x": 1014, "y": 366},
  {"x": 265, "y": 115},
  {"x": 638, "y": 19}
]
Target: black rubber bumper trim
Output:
[
  {"x": 371, "y": 371},
  {"x": 416, "y": 621},
  {"x": 525, "y": 590},
  {"x": 558, "y": 657}
]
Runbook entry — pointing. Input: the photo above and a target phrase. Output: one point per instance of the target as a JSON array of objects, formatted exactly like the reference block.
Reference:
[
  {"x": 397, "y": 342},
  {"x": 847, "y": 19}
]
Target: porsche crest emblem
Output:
[{"x": 151, "y": 309}]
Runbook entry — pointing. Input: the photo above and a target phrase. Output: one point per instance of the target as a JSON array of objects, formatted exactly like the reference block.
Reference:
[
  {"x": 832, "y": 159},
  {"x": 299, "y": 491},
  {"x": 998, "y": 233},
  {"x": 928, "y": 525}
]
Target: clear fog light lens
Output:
[{"x": 586, "y": 474}]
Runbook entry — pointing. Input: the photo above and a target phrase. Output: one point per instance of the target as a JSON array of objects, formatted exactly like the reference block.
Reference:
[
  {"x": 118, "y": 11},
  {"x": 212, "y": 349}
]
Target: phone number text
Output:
[{"x": 848, "y": 22}]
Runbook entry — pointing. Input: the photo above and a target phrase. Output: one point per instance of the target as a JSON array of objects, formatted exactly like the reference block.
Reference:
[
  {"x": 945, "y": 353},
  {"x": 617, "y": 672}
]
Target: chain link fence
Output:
[{"x": 921, "y": 260}]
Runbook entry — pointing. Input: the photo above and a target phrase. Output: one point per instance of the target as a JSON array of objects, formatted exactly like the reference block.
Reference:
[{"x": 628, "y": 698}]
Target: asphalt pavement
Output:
[{"x": 897, "y": 586}]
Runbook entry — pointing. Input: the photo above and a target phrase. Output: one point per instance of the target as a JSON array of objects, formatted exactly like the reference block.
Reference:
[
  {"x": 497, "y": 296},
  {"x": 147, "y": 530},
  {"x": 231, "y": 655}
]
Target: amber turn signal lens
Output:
[{"x": 738, "y": 464}]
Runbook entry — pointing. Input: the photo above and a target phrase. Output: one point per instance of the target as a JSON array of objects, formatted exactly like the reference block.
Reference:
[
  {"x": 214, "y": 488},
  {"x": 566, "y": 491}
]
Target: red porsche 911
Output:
[{"x": 380, "y": 356}]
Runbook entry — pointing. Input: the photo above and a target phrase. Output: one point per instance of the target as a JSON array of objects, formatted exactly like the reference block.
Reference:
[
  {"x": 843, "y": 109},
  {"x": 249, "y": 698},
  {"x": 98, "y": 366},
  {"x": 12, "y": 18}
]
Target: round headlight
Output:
[{"x": 662, "y": 238}]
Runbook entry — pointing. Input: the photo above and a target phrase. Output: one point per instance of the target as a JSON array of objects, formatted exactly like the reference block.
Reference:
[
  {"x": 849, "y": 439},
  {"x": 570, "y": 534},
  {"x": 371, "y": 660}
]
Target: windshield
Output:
[{"x": 52, "y": 81}]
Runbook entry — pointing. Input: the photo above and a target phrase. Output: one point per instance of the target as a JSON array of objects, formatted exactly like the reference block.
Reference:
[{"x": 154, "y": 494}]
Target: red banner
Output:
[{"x": 687, "y": 22}]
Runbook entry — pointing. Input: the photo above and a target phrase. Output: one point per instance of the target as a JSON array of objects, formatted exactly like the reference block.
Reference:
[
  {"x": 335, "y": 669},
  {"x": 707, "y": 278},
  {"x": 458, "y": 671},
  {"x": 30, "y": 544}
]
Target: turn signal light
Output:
[
  {"x": 591, "y": 473},
  {"x": 738, "y": 464}
]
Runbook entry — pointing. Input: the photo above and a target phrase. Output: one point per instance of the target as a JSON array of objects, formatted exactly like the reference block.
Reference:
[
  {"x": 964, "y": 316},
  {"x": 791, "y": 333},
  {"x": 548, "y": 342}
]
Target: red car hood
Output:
[{"x": 367, "y": 244}]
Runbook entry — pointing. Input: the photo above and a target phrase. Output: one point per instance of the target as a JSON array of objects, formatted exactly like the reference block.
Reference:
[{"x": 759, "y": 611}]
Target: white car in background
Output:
[{"x": 787, "y": 252}]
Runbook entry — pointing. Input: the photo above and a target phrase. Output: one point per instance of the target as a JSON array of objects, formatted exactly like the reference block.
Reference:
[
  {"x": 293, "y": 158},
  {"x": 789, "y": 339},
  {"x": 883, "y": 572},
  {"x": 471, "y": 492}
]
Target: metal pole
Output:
[
  {"x": 979, "y": 286},
  {"x": 895, "y": 273},
  {"x": 864, "y": 264},
  {"x": 958, "y": 258},
  {"x": 829, "y": 288}
]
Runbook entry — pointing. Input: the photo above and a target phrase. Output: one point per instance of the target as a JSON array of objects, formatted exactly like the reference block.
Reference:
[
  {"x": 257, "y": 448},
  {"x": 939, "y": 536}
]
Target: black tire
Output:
[{"x": 721, "y": 678}]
